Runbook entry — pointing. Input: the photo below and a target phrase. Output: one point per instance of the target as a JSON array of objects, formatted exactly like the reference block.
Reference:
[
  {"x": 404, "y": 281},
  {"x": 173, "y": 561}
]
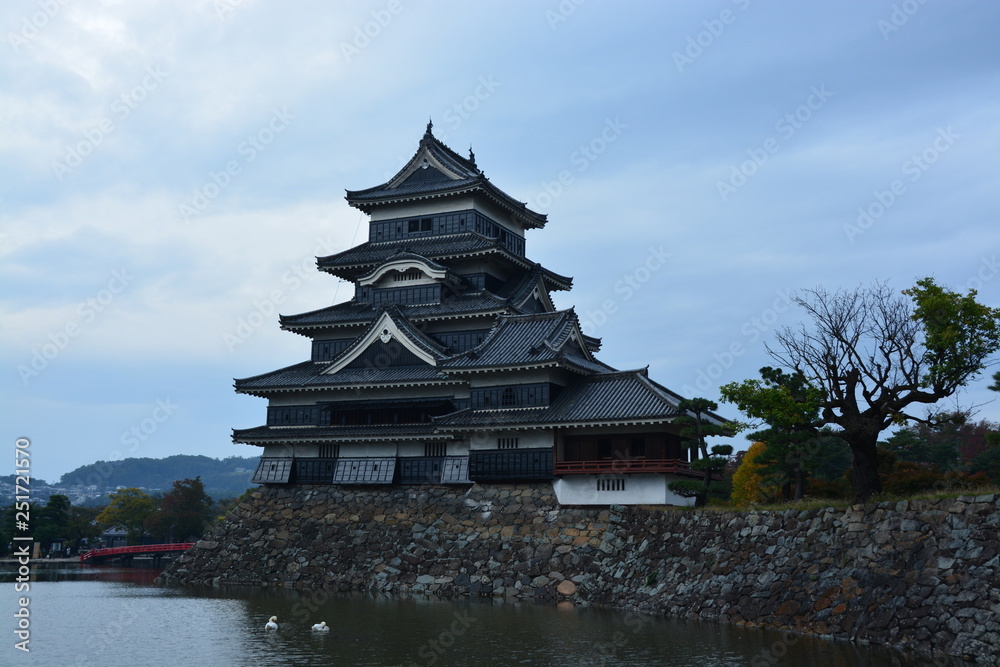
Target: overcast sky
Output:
[{"x": 170, "y": 170}]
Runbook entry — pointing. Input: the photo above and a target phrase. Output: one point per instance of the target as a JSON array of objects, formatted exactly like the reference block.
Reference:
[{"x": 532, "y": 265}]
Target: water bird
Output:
[
  {"x": 272, "y": 624},
  {"x": 321, "y": 627}
]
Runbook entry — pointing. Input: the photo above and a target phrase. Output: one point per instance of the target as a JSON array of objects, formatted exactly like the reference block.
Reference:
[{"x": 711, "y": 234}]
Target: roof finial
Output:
[
  {"x": 430, "y": 124},
  {"x": 472, "y": 156}
]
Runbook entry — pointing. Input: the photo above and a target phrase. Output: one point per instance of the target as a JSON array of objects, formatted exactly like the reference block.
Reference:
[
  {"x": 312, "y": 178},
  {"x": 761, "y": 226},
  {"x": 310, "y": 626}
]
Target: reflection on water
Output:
[{"x": 87, "y": 615}]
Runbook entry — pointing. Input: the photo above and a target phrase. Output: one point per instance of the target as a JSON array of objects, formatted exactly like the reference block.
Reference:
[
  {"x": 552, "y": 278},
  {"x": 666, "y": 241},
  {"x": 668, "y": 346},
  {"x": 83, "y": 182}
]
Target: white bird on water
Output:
[
  {"x": 272, "y": 624},
  {"x": 321, "y": 627}
]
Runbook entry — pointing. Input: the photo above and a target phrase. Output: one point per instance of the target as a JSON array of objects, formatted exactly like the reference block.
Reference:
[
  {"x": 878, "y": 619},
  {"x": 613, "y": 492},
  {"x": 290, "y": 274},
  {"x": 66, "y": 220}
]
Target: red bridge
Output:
[{"x": 97, "y": 555}]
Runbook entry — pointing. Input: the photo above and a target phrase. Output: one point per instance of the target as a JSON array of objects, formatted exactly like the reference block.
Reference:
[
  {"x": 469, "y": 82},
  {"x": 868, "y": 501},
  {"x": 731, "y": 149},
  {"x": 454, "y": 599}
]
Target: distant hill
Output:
[{"x": 223, "y": 478}]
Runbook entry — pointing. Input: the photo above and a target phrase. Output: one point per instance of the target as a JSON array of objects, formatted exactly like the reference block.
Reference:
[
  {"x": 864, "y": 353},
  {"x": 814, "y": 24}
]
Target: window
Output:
[
  {"x": 435, "y": 448},
  {"x": 509, "y": 398},
  {"x": 610, "y": 483},
  {"x": 422, "y": 225},
  {"x": 409, "y": 274},
  {"x": 329, "y": 451},
  {"x": 507, "y": 443}
]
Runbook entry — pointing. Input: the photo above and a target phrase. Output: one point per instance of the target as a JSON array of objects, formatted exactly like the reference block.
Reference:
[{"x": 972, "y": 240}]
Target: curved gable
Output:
[
  {"x": 384, "y": 331},
  {"x": 429, "y": 271}
]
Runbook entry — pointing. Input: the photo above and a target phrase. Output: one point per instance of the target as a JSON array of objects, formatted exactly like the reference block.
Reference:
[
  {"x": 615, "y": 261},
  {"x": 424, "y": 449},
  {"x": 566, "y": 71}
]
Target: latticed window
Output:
[
  {"x": 506, "y": 443},
  {"x": 409, "y": 274},
  {"x": 509, "y": 399},
  {"x": 329, "y": 451},
  {"x": 610, "y": 483},
  {"x": 435, "y": 448}
]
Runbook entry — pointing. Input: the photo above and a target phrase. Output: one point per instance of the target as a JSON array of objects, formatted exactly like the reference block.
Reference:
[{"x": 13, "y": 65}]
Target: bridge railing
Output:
[{"x": 136, "y": 549}]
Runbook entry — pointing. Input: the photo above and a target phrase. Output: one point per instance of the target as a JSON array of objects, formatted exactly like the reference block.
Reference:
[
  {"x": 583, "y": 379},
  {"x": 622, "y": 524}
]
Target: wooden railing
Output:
[
  {"x": 111, "y": 552},
  {"x": 622, "y": 466}
]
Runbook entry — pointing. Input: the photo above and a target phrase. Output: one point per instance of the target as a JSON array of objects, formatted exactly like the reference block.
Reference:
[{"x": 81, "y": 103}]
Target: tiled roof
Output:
[
  {"x": 362, "y": 258},
  {"x": 528, "y": 340},
  {"x": 309, "y": 375},
  {"x": 618, "y": 397},
  {"x": 268, "y": 434},
  {"x": 430, "y": 182},
  {"x": 353, "y": 312}
]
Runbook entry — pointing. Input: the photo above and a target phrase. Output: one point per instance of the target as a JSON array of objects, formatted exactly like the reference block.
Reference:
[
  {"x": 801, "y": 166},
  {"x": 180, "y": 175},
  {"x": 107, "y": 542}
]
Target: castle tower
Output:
[{"x": 451, "y": 365}]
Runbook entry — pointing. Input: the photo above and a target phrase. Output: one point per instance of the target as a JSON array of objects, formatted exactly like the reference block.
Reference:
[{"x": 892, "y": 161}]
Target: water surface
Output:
[{"x": 87, "y": 615}]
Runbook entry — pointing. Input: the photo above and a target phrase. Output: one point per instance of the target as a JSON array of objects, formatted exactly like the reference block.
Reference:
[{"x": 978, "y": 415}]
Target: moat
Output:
[{"x": 114, "y": 616}]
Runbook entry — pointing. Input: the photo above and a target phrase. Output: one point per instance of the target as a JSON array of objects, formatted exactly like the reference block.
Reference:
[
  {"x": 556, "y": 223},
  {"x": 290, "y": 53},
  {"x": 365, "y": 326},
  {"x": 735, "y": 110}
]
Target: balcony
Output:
[{"x": 623, "y": 466}]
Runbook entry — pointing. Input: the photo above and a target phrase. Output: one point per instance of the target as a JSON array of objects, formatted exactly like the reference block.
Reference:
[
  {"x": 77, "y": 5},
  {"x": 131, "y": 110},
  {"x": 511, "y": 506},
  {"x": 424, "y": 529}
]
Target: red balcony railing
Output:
[
  {"x": 622, "y": 466},
  {"x": 138, "y": 549}
]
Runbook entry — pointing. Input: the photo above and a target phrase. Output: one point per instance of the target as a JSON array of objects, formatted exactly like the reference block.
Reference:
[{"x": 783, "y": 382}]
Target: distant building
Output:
[{"x": 451, "y": 365}]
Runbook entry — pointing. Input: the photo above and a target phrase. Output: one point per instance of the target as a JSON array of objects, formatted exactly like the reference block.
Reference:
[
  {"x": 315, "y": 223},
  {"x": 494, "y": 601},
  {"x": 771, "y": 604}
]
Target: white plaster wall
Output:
[
  {"x": 435, "y": 206},
  {"x": 639, "y": 490},
  {"x": 408, "y": 449},
  {"x": 307, "y": 451},
  {"x": 278, "y": 451},
  {"x": 356, "y": 450},
  {"x": 525, "y": 439},
  {"x": 460, "y": 448}
]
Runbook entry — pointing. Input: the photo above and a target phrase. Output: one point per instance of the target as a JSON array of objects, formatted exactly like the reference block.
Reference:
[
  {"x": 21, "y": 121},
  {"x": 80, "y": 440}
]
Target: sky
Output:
[{"x": 170, "y": 170}]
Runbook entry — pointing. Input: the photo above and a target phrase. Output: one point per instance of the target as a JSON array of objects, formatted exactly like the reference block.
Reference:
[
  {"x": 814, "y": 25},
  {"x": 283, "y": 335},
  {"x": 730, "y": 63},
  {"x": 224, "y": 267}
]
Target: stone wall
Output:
[{"x": 920, "y": 575}]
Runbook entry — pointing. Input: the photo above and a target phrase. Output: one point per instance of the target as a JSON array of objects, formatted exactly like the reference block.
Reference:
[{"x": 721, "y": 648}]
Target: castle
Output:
[{"x": 450, "y": 365}]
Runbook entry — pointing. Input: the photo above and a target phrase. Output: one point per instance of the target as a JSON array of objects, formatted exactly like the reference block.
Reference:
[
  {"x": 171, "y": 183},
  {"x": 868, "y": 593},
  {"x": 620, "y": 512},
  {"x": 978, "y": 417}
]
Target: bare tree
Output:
[{"x": 875, "y": 355}]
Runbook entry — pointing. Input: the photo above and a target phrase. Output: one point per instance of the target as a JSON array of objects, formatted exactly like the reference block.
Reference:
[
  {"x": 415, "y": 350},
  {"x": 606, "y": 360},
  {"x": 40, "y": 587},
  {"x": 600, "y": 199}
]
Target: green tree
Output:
[
  {"x": 82, "y": 525},
  {"x": 700, "y": 422},
  {"x": 712, "y": 465},
  {"x": 185, "y": 512},
  {"x": 945, "y": 445},
  {"x": 790, "y": 406},
  {"x": 51, "y": 521},
  {"x": 988, "y": 459},
  {"x": 129, "y": 508},
  {"x": 875, "y": 356}
]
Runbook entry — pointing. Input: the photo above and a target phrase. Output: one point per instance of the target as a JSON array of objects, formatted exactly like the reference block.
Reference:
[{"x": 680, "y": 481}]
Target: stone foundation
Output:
[{"x": 916, "y": 575}]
